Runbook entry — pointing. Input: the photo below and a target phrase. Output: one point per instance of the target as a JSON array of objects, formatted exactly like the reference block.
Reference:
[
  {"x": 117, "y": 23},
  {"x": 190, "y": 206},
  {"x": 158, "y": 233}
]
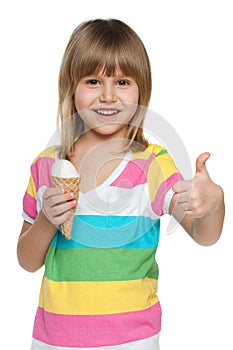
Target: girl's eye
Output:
[
  {"x": 123, "y": 82},
  {"x": 93, "y": 82}
]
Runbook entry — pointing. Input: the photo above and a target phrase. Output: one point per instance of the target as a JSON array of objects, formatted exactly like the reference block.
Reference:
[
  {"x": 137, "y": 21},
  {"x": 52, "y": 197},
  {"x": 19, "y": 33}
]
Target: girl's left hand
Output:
[{"x": 199, "y": 196}]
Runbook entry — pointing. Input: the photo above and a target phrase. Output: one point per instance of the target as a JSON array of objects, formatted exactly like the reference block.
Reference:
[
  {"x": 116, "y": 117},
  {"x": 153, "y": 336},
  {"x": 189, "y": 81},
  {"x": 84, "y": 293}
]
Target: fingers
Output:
[
  {"x": 183, "y": 197},
  {"x": 193, "y": 198},
  {"x": 182, "y": 186},
  {"x": 57, "y": 205},
  {"x": 186, "y": 203}
]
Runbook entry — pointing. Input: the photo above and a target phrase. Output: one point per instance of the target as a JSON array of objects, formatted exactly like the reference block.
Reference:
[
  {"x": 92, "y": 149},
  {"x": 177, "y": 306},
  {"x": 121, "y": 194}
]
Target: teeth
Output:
[{"x": 107, "y": 112}]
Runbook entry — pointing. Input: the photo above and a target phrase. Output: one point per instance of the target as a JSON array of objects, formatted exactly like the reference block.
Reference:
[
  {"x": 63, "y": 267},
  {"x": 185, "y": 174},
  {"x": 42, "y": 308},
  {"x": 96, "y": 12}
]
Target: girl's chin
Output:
[{"x": 111, "y": 129}]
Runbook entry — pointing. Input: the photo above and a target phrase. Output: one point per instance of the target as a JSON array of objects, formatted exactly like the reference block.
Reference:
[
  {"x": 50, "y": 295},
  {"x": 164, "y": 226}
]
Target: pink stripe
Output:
[
  {"x": 41, "y": 170},
  {"x": 96, "y": 330},
  {"x": 135, "y": 173},
  {"x": 157, "y": 203},
  {"x": 29, "y": 206}
]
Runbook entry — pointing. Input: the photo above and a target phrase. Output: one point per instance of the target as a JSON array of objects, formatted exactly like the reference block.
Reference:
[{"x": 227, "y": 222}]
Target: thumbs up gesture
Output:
[{"x": 200, "y": 196}]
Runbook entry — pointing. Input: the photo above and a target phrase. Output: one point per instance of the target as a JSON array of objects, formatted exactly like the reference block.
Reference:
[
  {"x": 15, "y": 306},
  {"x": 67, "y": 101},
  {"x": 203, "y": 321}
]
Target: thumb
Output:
[{"x": 201, "y": 163}]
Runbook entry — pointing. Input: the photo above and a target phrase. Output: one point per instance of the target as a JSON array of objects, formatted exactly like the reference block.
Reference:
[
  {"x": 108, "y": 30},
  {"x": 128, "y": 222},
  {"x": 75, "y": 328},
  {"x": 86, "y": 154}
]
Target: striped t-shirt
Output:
[{"x": 99, "y": 289}]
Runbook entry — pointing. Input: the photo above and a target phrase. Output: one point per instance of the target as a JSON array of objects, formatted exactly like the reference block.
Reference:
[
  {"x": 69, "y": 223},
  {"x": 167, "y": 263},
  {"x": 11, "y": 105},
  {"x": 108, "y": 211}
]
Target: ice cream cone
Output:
[
  {"x": 65, "y": 175},
  {"x": 69, "y": 185}
]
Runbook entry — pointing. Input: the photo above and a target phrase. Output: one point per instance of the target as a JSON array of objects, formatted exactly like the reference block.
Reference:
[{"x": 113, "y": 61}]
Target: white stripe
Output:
[
  {"x": 116, "y": 201},
  {"x": 151, "y": 343}
]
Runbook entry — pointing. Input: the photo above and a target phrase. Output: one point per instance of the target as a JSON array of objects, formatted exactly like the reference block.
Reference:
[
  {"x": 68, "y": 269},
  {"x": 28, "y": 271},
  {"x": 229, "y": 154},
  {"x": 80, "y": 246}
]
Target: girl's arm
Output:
[
  {"x": 34, "y": 241},
  {"x": 199, "y": 205},
  {"x": 35, "y": 238}
]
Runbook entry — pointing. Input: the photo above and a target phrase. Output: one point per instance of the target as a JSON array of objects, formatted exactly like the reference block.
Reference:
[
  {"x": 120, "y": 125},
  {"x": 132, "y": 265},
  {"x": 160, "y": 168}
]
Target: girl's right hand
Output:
[{"x": 57, "y": 204}]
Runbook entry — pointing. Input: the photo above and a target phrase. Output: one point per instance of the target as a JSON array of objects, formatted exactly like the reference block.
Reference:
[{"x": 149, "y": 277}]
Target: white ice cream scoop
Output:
[{"x": 64, "y": 168}]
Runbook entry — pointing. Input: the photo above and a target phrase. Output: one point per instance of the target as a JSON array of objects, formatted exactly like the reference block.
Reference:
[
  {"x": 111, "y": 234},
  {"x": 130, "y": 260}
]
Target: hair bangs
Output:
[{"x": 109, "y": 57}]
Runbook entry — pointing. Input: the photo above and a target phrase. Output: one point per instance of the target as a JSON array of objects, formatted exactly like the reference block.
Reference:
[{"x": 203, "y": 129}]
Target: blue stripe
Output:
[{"x": 111, "y": 232}]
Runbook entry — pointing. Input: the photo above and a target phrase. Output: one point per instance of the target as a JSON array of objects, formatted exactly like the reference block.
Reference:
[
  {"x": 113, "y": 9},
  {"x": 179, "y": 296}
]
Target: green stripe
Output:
[
  {"x": 163, "y": 151},
  {"x": 100, "y": 264}
]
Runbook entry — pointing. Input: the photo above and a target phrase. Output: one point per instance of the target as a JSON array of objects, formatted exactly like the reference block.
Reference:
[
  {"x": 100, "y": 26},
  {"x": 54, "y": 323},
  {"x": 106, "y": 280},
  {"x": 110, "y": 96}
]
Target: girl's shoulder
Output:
[
  {"x": 47, "y": 153},
  {"x": 156, "y": 158},
  {"x": 156, "y": 149},
  {"x": 152, "y": 150},
  {"x": 42, "y": 164}
]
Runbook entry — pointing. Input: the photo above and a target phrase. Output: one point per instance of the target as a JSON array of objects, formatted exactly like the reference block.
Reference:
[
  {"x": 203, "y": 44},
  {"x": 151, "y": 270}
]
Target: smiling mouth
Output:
[{"x": 107, "y": 112}]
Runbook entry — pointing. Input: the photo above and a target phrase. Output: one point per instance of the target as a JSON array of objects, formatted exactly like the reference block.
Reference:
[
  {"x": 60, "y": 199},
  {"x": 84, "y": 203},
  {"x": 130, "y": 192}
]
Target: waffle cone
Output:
[{"x": 70, "y": 185}]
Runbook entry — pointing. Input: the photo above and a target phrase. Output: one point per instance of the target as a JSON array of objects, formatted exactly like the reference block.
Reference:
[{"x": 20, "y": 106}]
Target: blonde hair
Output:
[{"x": 94, "y": 45}]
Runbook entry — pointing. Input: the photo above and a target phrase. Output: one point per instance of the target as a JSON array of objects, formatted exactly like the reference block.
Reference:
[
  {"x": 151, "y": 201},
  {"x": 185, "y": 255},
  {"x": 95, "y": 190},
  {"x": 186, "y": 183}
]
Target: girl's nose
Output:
[{"x": 108, "y": 94}]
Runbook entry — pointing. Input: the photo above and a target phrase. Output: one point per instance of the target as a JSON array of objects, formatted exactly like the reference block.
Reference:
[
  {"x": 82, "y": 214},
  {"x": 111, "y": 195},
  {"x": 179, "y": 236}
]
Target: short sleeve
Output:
[
  {"x": 29, "y": 200},
  {"x": 39, "y": 180},
  {"x": 162, "y": 175}
]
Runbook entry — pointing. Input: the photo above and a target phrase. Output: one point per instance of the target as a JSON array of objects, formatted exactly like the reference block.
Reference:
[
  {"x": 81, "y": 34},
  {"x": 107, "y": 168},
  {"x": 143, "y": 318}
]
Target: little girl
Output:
[{"x": 99, "y": 288}]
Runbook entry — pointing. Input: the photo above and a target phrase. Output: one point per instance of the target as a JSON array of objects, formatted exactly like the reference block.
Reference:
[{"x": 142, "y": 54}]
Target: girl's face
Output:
[{"x": 106, "y": 104}]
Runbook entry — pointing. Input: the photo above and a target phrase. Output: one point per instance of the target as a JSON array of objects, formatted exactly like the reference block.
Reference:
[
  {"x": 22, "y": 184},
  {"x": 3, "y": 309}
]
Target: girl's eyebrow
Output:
[
  {"x": 99, "y": 75},
  {"x": 91, "y": 76}
]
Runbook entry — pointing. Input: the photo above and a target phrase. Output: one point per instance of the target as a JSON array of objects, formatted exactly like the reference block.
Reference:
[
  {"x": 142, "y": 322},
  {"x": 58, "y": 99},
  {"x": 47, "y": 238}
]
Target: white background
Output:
[{"x": 190, "y": 47}]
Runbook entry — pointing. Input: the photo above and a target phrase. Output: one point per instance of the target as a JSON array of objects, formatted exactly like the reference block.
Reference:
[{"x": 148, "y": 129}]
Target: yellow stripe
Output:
[
  {"x": 93, "y": 298},
  {"x": 145, "y": 154},
  {"x": 31, "y": 188},
  {"x": 159, "y": 171}
]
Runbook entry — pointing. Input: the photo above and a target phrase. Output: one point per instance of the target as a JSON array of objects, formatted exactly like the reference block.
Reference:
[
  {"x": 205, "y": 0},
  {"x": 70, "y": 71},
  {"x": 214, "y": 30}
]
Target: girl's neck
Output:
[
  {"x": 115, "y": 143},
  {"x": 96, "y": 159}
]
